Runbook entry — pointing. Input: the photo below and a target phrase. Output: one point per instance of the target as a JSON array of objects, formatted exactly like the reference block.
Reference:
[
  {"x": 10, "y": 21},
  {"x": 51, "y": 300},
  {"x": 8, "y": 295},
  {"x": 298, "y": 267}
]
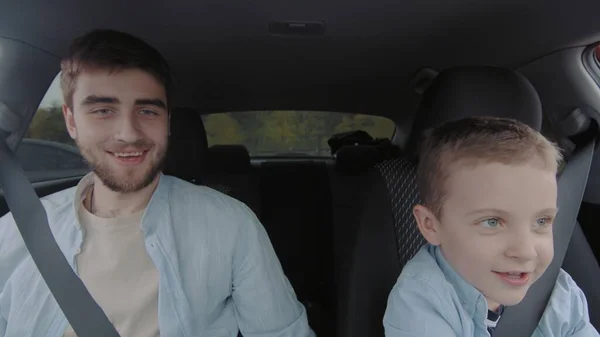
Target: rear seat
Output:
[
  {"x": 351, "y": 163},
  {"x": 347, "y": 185},
  {"x": 296, "y": 212},
  {"x": 230, "y": 171},
  {"x": 188, "y": 146},
  {"x": 225, "y": 168}
]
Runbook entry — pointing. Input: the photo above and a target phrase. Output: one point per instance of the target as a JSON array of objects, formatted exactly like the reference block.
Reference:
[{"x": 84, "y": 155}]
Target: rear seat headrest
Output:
[
  {"x": 188, "y": 146},
  {"x": 476, "y": 91},
  {"x": 357, "y": 158},
  {"x": 229, "y": 159}
]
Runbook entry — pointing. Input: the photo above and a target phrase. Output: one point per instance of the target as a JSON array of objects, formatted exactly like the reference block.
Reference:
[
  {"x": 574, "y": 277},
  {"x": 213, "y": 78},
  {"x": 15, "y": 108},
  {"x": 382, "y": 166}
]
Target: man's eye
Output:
[
  {"x": 148, "y": 112},
  {"x": 102, "y": 112},
  {"x": 490, "y": 223}
]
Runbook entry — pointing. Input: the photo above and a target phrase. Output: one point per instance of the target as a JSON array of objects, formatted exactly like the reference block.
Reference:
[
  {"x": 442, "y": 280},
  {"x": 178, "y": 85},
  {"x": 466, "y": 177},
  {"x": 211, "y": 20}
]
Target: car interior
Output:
[{"x": 339, "y": 218}]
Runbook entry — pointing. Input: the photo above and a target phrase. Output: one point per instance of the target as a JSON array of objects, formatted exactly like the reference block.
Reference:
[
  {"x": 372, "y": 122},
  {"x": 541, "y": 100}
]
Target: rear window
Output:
[{"x": 289, "y": 133}]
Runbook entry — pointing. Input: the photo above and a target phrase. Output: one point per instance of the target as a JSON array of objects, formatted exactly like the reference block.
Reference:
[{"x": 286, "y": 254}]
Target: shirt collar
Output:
[
  {"x": 156, "y": 204},
  {"x": 472, "y": 299}
]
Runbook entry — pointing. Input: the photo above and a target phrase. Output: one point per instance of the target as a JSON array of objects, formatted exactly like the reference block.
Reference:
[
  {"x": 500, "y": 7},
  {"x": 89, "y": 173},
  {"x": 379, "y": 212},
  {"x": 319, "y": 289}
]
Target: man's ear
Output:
[
  {"x": 428, "y": 224},
  {"x": 69, "y": 121},
  {"x": 169, "y": 121}
]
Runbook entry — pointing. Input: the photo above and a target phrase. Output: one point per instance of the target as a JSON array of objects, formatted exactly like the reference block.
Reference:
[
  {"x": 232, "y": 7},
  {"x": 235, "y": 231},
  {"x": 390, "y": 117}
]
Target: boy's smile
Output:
[{"x": 495, "y": 227}]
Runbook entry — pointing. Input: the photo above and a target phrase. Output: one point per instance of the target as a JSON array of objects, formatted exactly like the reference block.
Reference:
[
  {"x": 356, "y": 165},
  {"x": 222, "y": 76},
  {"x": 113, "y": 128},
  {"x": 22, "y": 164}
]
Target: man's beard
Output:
[{"x": 125, "y": 184}]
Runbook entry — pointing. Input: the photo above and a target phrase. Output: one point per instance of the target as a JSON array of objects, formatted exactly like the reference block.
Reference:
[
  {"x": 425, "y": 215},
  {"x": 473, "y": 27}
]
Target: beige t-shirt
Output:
[{"x": 119, "y": 274}]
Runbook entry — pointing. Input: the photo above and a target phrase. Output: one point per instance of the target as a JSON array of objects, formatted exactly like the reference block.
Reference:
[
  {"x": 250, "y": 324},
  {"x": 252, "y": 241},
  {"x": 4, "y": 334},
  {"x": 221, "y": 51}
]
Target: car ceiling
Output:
[{"x": 225, "y": 59}]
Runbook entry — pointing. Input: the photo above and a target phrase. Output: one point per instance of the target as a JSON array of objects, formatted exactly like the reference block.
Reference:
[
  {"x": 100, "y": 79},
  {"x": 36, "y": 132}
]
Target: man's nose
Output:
[
  {"x": 128, "y": 128},
  {"x": 522, "y": 245}
]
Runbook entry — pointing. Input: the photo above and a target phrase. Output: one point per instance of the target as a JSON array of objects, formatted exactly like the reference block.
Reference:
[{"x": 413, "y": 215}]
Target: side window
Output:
[
  {"x": 47, "y": 151},
  {"x": 289, "y": 133}
]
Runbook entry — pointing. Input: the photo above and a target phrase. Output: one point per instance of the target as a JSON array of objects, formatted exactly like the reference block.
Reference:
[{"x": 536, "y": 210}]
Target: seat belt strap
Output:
[
  {"x": 85, "y": 316},
  {"x": 522, "y": 319}
]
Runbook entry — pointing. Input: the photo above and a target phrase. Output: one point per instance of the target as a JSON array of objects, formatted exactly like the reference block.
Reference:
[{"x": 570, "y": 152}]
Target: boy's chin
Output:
[{"x": 509, "y": 299}]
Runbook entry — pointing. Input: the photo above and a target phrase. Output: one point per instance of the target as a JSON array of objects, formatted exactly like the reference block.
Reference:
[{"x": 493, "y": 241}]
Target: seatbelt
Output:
[
  {"x": 85, "y": 316},
  {"x": 521, "y": 320}
]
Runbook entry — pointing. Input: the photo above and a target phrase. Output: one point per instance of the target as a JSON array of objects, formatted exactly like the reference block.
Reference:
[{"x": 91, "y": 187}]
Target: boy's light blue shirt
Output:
[
  {"x": 216, "y": 264},
  {"x": 430, "y": 299}
]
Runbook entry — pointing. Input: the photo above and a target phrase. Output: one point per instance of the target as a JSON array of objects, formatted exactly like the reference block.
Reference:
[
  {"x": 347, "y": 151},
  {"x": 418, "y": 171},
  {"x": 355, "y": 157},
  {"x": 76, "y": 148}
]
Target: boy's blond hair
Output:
[{"x": 478, "y": 140}]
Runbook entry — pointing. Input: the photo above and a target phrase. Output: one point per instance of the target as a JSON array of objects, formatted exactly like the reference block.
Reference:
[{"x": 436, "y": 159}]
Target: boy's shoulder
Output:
[
  {"x": 424, "y": 268},
  {"x": 566, "y": 313},
  {"x": 424, "y": 302}
]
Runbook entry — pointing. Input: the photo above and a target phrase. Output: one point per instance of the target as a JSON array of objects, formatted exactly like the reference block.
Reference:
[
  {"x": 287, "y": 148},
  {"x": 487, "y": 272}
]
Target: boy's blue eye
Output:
[
  {"x": 543, "y": 222},
  {"x": 491, "y": 223}
]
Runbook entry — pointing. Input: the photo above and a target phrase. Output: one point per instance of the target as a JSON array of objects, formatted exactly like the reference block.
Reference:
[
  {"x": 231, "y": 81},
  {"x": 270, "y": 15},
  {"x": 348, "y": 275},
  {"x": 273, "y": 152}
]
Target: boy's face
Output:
[
  {"x": 120, "y": 123},
  {"x": 495, "y": 227}
]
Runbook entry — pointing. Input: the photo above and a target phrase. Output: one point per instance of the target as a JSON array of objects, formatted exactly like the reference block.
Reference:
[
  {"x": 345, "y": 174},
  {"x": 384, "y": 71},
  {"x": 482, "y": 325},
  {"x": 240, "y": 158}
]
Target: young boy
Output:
[{"x": 489, "y": 193}]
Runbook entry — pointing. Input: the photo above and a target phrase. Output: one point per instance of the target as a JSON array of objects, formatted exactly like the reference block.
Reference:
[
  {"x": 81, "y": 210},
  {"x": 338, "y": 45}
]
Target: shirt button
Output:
[{"x": 78, "y": 251}]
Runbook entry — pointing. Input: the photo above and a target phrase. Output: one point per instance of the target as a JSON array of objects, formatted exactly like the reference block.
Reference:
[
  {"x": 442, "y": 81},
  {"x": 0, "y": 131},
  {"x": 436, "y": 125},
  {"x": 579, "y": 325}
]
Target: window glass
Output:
[
  {"x": 275, "y": 133},
  {"x": 47, "y": 151}
]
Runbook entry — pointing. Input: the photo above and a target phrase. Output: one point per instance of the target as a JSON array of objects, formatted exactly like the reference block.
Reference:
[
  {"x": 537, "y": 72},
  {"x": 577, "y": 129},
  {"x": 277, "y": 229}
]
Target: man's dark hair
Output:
[{"x": 111, "y": 50}]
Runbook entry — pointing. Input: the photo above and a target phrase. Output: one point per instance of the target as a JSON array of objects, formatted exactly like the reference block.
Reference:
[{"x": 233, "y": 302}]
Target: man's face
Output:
[
  {"x": 120, "y": 123},
  {"x": 495, "y": 227}
]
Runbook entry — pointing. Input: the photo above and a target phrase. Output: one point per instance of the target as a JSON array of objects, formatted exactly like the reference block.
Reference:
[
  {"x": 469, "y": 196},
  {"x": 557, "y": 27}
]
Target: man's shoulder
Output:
[
  {"x": 61, "y": 198},
  {"x": 184, "y": 189},
  {"x": 54, "y": 204},
  {"x": 206, "y": 202}
]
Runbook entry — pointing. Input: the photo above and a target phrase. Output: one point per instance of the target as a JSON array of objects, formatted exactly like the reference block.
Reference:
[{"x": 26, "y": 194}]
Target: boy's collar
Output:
[{"x": 472, "y": 299}]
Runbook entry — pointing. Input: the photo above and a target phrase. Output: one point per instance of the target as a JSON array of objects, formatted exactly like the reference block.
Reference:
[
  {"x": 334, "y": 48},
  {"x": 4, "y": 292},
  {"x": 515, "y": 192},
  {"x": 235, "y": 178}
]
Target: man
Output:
[{"x": 159, "y": 255}]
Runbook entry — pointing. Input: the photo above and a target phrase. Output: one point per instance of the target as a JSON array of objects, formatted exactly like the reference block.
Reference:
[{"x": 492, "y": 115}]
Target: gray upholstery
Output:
[
  {"x": 401, "y": 182},
  {"x": 229, "y": 171},
  {"x": 188, "y": 146},
  {"x": 477, "y": 91}
]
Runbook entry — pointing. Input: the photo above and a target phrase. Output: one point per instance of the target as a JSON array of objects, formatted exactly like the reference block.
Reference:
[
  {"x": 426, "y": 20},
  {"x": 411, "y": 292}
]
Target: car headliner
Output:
[{"x": 225, "y": 59}]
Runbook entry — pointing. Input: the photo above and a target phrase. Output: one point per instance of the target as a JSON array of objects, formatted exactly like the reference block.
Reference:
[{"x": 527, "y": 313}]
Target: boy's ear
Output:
[{"x": 428, "y": 224}]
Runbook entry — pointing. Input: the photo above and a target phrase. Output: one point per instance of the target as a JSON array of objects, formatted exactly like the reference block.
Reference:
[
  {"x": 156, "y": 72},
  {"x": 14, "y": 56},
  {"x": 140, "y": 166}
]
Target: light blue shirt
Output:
[
  {"x": 218, "y": 270},
  {"x": 430, "y": 300}
]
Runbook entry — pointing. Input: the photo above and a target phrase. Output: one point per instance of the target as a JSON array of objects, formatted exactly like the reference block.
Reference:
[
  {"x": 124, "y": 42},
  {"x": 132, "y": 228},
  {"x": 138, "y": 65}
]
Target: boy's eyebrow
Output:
[
  {"x": 487, "y": 210},
  {"x": 551, "y": 210},
  {"x": 545, "y": 211}
]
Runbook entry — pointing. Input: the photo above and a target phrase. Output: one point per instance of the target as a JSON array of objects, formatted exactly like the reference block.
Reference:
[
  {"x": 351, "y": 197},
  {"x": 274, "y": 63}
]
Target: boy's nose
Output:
[{"x": 522, "y": 247}]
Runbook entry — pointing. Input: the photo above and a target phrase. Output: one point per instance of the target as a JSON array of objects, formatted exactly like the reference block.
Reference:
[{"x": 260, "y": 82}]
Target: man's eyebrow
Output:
[
  {"x": 151, "y": 101},
  {"x": 93, "y": 99}
]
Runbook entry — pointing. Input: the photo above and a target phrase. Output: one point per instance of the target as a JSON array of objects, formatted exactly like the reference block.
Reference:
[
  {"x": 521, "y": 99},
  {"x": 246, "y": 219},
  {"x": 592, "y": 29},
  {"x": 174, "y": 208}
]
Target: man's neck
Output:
[{"x": 106, "y": 203}]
